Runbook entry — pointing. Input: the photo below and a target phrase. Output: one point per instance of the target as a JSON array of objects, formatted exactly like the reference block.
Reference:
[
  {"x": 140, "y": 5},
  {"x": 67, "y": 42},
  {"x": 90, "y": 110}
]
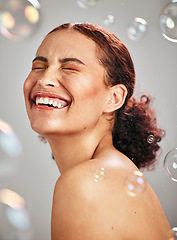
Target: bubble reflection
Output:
[
  {"x": 170, "y": 164},
  {"x": 135, "y": 184},
  {"x": 168, "y": 21},
  {"x": 14, "y": 219},
  {"x": 19, "y": 18},
  {"x": 99, "y": 174},
  {"x": 137, "y": 29}
]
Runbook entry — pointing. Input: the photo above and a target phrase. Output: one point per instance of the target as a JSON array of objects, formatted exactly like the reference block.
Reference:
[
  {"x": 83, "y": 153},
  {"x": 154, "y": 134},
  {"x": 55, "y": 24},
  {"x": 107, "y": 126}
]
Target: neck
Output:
[{"x": 70, "y": 150}]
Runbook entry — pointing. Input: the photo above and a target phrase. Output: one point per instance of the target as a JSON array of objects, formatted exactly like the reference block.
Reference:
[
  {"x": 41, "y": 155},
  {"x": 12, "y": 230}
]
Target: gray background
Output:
[{"x": 155, "y": 61}]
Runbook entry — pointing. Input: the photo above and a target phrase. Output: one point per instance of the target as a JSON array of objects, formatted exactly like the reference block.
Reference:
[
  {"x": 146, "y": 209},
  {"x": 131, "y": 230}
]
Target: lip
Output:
[{"x": 49, "y": 95}]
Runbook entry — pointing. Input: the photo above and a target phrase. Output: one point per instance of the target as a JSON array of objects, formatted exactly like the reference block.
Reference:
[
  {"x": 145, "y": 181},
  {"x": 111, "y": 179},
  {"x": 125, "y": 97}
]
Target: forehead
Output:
[{"x": 68, "y": 42}]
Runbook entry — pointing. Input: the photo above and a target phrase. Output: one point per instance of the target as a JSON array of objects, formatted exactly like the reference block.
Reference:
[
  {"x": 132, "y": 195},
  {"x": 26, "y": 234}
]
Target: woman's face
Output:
[{"x": 65, "y": 90}]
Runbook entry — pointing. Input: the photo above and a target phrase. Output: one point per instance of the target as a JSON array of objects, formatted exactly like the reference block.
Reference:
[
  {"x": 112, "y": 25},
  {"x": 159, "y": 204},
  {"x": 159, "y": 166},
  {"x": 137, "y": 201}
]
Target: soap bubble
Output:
[
  {"x": 151, "y": 139},
  {"x": 172, "y": 235},
  {"x": 170, "y": 164},
  {"x": 174, "y": 229},
  {"x": 137, "y": 29},
  {"x": 19, "y": 18},
  {"x": 86, "y": 3},
  {"x": 99, "y": 174},
  {"x": 14, "y": 219},
  {"x": 10, "y": 148},
  {"x": 135, "y": 183},
  {"x": 109, "y": 20},
  {"x": 168, "y": 21}
]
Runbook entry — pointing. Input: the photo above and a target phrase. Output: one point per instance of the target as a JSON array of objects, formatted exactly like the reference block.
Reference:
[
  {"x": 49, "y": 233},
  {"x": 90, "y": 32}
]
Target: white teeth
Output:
[
  {"x": 41, "y": 100},
  {"x": 46, "y": 101},
  {"x": 50, "y": 102},
  {"x": 53, "y": 102},
  {"x": 59, "y": 105}
]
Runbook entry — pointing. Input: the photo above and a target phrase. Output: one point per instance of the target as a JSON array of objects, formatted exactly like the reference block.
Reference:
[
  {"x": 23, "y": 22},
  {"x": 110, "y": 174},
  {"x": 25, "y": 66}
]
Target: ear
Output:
[{"x": 117, "y": 96}]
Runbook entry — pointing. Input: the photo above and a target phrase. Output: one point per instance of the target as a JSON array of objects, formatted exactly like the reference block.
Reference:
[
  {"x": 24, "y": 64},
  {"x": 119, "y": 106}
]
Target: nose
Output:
[{"x": 48, "y": 80}]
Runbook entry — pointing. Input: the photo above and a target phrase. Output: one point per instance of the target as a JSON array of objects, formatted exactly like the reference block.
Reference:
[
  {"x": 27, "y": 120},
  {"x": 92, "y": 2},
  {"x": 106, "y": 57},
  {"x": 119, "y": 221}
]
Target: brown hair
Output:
[{"x": 135, "y": 121}]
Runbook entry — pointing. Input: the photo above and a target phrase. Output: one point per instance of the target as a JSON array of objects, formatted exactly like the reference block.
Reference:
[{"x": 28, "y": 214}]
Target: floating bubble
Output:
[
  {"x": 19, "y": 18},
  {"x": 86, "y": 3},
  {"x": 174, "y": 230},
  {"x": 99, "y": 174},
  {"x": 151, "y": 138},
  {"x": 168, "y": 21},
  {"x": 14, "y": 219},
  {"x": 109, "y": 20},
  {"x": 10, "y": 148},
  {"x": 170, "y": 164},
  {"x": 137, "y": 29},
  {"x": 135, "y": 183}
]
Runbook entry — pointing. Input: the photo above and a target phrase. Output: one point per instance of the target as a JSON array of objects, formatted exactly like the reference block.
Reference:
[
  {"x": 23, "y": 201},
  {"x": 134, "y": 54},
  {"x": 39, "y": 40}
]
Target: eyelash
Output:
[{"x": 67, "y": 68}]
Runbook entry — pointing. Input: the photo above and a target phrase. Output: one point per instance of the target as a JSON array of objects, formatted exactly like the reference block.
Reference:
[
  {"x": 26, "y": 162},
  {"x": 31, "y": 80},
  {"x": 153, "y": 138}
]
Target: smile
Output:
[{"x": 51, "y": 102}]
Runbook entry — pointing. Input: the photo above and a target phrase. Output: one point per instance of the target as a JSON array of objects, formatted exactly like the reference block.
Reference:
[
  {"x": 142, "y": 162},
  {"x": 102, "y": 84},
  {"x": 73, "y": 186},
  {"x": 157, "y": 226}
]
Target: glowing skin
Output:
[{"x": 66, "y": 70}]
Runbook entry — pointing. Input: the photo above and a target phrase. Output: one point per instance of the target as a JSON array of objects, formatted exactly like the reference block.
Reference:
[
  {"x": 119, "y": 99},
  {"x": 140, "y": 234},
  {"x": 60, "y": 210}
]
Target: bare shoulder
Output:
[{"x": 92, "y": 201}]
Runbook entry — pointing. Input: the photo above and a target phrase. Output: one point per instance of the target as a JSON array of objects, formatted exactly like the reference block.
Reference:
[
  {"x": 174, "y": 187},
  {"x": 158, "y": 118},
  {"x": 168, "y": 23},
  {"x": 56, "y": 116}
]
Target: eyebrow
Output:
[
  {"x": 65, "y": 60},
  {"x": 40, "y": 58}
]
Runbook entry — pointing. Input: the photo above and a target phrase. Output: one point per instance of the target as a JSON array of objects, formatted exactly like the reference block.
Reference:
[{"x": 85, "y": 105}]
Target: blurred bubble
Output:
[
  {"x": 10, "y": 148},
  {"x": 135, "y": 183},
  {"x": 151, "y": 138},
  {"x": 14, "y": 219},
  {"x": 99, "y": 174},
  {"x": 170, "y": 164},
  {"x": 19, "y": 18},
  {"x": 168, "y": 21},
  {"x": 109, "y": 20},
  {"x": 137, "y": 29},
  {"x": 174, "y": 229},
  {"x": 86, "y": 3}
]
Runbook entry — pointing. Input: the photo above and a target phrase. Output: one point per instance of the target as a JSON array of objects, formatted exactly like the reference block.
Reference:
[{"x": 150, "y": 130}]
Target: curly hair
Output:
[{"x": 135, "y": 133}]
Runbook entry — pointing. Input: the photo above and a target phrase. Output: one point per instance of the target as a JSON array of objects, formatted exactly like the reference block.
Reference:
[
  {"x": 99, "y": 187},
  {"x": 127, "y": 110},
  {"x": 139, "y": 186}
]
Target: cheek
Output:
[{"x": 27, "y": 86}]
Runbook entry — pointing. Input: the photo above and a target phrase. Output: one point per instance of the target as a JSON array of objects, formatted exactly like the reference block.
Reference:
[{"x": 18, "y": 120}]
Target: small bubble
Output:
[
  {"x": 170, "y": 164},
  {"x": 109, "y": 20},
  {"x": 151, "y": 139},
  {"x": 174, "y": 229},
  {"x": 99, "y": 174},
  {"x": 86, "y": 3},
  {"x": 137, "y": 29},
  {"x": 135, "y": 183}
]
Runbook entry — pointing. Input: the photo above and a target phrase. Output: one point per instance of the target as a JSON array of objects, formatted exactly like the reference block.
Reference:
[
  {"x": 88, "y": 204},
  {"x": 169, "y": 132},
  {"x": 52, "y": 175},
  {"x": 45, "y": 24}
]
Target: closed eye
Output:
[
  {"x": 69, "y": 68},
  {"x": 36, "y": 68}
]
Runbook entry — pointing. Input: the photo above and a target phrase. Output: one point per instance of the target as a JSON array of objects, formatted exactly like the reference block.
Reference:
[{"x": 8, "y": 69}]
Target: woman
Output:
[{"x": 79, "y": 97}]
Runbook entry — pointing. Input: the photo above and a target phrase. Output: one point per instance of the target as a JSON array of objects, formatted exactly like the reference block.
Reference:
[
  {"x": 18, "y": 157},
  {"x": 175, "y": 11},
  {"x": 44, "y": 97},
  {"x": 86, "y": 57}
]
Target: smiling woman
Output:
[{"x": 79, "y": 97}]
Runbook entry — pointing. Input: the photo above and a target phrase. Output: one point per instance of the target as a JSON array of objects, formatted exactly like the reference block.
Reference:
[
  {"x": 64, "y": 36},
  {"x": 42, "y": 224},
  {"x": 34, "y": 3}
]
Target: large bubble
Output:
[
  {"x": 170, "y": 164},
  {"x": 19, "y": 18},
  {"x": 15, "y": 220},
  {"x": 168, "y": 21},
  {"x": 86, "y": 3},
  {"x": 10, "y": 148},
  {"x": 137, "y": 29}
]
